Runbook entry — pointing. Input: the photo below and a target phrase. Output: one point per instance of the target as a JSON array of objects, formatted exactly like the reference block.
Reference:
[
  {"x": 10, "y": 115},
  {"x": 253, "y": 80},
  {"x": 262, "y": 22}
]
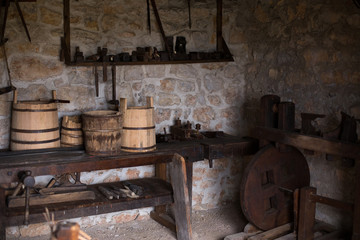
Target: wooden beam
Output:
[
  {"x": 350, "y": 150},
  {"x": 349, "y": 207}
]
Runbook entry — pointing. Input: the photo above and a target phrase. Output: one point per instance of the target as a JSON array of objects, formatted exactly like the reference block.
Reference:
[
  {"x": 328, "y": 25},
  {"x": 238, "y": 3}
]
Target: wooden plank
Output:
[
  {"x": 314, "y": 143},
  {"x": 349, "y": 207},
  {"x": 51, "y": 199},
  {"x": 331, "y": 236},
  {"x": 274, "y": 233},
  {"x": 181, "y": 198},
  {"x": 356, "y": 218},
  {"x": 296, "y": 195},
  {"x": 306, "y": 214}
]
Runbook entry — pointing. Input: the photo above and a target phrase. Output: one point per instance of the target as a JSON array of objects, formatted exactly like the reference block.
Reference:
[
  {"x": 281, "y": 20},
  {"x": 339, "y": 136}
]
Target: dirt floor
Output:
[{"x": 212, "y": 224}]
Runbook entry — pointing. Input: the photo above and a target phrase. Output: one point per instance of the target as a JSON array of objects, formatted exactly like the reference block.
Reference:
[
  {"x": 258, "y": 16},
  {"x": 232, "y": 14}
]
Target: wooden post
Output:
[
  {"x": 306, "y": 214},
  {"x": 181, "y": 198},
  {"x": 2, "y": 214},
  {"x": 160, "y": 172},
  {"x": 219, "y": 38},
  {"x": 67, "y": 51},
  {"x": 356, "y": 218},
  {"x": 269, "y": 114}
]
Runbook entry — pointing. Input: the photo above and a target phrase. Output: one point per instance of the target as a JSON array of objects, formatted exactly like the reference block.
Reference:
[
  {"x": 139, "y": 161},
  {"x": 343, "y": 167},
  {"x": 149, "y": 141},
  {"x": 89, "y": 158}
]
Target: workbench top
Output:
[{"x": 65, "y": 160}]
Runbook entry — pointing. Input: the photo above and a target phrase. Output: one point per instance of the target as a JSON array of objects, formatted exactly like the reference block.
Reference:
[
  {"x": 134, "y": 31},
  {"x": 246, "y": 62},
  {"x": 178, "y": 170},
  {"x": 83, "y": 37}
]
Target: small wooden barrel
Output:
[
  {"x": 102, "y": 132},
  {"x": 34, "y": 125},
  {"x": 71, "y": 131},
  {"x": 138, "y": 134}
]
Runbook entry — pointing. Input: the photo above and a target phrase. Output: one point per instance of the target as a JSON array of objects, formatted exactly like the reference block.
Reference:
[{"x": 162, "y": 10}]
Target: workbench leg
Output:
[
  {"x": 181, "y": 198},
  {"x": 189, "y": 175},
  {"x": 356, "y": 220},
  {"x": 306, "y": 214},
  {"x": 159, "y": 214},
  {"x": 2, "y": 215}
]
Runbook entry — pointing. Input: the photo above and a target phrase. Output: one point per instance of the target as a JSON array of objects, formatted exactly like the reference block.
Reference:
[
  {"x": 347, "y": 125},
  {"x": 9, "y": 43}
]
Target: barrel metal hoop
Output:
[
  {"x": 35, "y": 131},
  {"x": 134, "y": 148},
  {"x": 139, "y": 128},
  {"x": 35, "y": 142},
  {"x": 71, "y": 129},
  {"x": 35, "y": 110}
]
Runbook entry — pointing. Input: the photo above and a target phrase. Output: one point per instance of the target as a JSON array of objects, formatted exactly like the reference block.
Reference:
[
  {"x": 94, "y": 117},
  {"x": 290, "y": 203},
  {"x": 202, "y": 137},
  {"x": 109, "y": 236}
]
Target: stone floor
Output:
[{"x": 212, "y": 224}]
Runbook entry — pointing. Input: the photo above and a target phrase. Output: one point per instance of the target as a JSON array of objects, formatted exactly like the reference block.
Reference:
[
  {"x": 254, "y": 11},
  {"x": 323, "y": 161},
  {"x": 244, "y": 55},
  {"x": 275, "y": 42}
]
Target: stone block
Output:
[
  {"x": 190, "y": 100},
  {"x": 185, "y": 86},
  {"x": 34, "y": 230},
  {"x": 133, "y": 73},
  {"x": 51, "y": 17},
  {"x": 214, "y": 100},
  {"x": 155, "y": 71},
  {"x": 213, "y": 83},
  {"x": 167, "y": 85},
  {"x": 167, "y": 99},
  {"x": 204, "y": 114},
  {"x": 184, "y": 71},
  {"x": 162, "y": 114},
  {"x": 34, "y": 68}
]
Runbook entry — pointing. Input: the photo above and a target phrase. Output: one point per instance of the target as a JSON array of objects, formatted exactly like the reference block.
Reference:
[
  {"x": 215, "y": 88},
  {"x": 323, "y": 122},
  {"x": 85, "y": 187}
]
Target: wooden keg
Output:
[
  {"x": 102, "y": 132},
  {"x": 71, "y": 131},
  {"x": 138, "y": 134},
  {"x": 34, "y": 125}
]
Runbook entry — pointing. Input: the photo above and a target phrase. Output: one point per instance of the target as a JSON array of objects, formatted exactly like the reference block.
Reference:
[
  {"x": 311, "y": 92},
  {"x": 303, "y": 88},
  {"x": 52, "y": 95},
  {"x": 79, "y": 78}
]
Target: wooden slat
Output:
[
  {"x": 160, "y": 172},
  {"x": 51, "y": 198},
  {"x": 314, "y": 143},
  {"x": 306, "y": 214},
  {"x": 349, "y": 207},
  {"x": 273, "y": 233},
  {"x": 181, "y": 198},
  {"x": 2, "y": 215}
]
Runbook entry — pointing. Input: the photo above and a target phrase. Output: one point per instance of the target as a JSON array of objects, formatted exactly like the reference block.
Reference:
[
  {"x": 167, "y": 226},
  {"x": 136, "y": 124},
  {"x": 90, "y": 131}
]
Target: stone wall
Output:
[{"x": 304, "y": 51}]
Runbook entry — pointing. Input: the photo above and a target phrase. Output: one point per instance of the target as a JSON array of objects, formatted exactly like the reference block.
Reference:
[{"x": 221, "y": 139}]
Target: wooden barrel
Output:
[
  {"x": 102, "y": 132},
  {"x": 71, "y": 131},
  {"x": 34, "y": 125},
  {"x": 138, "y": 134}
]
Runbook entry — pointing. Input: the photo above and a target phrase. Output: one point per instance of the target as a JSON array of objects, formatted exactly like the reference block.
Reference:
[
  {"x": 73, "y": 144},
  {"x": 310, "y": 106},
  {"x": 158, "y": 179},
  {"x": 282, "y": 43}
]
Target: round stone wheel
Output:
[{"x": 268, "y": 183}]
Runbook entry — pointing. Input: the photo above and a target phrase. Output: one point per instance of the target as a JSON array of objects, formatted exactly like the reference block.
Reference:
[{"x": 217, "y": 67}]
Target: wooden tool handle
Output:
[
  {"x": 53, "y": 92},
  {"x": 149, "y": 102},
  {"x": 123, "y": 105}
]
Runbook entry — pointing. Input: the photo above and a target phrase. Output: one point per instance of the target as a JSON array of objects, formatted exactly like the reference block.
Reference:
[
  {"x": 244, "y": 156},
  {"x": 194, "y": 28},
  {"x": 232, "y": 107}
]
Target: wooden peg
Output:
[{"x": 149, "y": 102}]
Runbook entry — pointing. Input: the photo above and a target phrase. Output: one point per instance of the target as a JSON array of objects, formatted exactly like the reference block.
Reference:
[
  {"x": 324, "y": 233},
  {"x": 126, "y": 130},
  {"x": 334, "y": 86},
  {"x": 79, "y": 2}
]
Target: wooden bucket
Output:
[
  {"x": 71, "y": 131},
  {"x": 138, "y": 134},
  {"x": 102, "y": 132},
  {"x": 34, "y": 125}
]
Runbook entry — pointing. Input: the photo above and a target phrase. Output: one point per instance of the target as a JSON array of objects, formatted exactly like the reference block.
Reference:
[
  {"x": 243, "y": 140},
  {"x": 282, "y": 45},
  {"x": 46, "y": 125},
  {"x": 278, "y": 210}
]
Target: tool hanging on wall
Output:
[
  {"x": 153, "y": 4},
  {"x": 96, "y": 81},
  {"x": 6, "y": 6},
  {"x": 148, "y": 15},
  {"x": 113, "y": 76},
  {"x": 10, "y": 87},
  {"x": 189, "y": 13}
]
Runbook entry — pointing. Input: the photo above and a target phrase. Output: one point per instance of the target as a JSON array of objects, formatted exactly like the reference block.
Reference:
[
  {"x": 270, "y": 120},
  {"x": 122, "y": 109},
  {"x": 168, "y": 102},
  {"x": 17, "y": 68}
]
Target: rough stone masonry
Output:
[{"x": 305, "y": 51}]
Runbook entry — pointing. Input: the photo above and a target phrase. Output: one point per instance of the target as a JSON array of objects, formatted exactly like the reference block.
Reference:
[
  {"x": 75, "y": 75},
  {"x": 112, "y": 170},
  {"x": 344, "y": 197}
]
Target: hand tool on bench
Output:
[
  {"x": 28, "y": 181},
  {"x": 107, "y": 193}
]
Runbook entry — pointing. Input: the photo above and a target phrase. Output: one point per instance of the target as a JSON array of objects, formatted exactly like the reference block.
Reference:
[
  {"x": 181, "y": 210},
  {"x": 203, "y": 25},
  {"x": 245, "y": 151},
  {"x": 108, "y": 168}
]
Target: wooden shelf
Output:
[
  {"x": 156, "y": 192},
  {"x": 88, "y": 63}
]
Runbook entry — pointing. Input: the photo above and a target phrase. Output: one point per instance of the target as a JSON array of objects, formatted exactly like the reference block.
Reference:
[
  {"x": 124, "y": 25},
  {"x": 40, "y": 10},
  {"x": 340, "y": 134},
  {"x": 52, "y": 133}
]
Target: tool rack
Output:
[{"x": 159, "y": 194}]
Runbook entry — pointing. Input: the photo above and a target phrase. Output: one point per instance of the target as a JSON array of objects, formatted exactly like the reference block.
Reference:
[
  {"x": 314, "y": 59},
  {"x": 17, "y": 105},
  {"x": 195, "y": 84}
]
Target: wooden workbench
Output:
[{"x": 60, "y": 161}]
